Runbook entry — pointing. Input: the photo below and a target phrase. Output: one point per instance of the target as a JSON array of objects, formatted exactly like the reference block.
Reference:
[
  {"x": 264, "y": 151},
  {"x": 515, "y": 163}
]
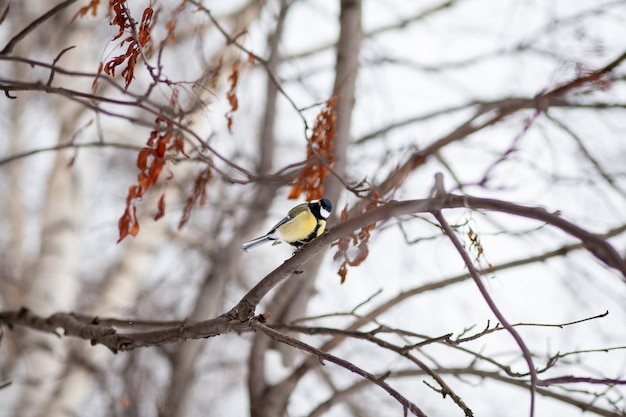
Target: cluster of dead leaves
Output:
[
  {"x": 233, "y": 81},
  {"x": 165, "y": 140},
  {"x": 231, "y": 95},
  {"x": 137, "y": 38},
  {"x": 358, "y": 239},
  {"x": 319, "y": 155}
]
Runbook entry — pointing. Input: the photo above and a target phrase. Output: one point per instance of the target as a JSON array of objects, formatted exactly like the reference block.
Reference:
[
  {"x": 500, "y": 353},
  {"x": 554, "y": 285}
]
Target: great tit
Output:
[{"x": 302, "y": 224}]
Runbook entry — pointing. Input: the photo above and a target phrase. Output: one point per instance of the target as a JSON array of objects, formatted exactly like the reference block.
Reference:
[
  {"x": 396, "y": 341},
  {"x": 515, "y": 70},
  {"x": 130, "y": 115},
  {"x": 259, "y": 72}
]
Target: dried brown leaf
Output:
[
  {"x": 231, "y": 95},
  {"x": 91, "y": 7},
  {"x": 161, "y": 208},
  {"x": 343, "y": 272},
  {"x": 199, "y": 196}
]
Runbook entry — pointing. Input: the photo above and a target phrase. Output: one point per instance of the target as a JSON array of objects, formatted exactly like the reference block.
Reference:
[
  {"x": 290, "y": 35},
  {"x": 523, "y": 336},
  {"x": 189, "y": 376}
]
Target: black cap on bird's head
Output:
[
  {"x": 326, "y": 205},
  {"x": 321, "y": 208}
]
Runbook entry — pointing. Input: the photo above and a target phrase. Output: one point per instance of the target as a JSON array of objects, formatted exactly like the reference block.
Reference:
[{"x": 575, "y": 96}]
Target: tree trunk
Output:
[{"x": 292, "y": 299}]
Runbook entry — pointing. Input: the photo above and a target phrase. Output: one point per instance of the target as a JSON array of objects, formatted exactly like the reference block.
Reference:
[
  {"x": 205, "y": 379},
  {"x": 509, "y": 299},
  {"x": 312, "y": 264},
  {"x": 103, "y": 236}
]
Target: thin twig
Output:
[
  {"x": 583, "y": 148},
  {"x": 487, "y": 297},
  {"x": 270, "y": 73},
  {"x": 405, "y": 351},
  {"x": 497, "y": 327},
  {"x": 33, "y": 25},
  {"x": 72, "y": 145},
  {"x": 280, "y": 337}
]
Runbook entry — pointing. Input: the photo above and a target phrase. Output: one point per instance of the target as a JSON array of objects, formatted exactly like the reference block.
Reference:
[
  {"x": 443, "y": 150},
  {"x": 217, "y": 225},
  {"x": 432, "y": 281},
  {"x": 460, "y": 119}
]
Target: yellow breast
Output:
[{"x": 300, "y": 227}]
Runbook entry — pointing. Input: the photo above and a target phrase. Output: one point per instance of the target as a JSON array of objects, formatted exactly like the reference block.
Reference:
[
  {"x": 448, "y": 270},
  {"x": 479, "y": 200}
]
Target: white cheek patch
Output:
[{"x": 324, "y": 213}]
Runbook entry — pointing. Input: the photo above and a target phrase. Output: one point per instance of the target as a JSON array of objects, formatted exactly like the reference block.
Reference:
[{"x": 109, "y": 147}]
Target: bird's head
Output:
[{"x": 321, "y": 207}]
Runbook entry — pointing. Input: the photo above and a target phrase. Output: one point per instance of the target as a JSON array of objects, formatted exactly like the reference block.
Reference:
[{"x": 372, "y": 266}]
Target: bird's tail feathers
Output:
[{"x": 258, "y": 241}]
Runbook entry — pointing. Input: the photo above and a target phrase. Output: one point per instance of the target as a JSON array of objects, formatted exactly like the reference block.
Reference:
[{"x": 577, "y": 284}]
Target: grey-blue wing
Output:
[
  {"x": 292, "y": 213},
  {"x": 280, "y": 223}
]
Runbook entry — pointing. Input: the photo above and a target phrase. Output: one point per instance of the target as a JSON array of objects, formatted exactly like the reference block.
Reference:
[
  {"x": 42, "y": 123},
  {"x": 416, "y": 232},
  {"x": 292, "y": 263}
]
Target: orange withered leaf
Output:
[
  {"x": 179, "y": 146},
  {"x": 113, "y": 63},
  {"x": 343, "y": 272},
  {"x": 142, "y": 158},
  {"x": 132, "y": 193},
  {"x": 199, "y": 195},
  {"x": 120, "y": 17},
  {"x": 122, "y": 225},
  {"x": 170, "y": 25},
  {"x": 128, "y": 73},
  {"x": 144, "y": 27},
  {"x": 135, "y": 225},
  {"x": 91, "y": 7},
  {"x": 162, "y": 145},
  {"x": 229, "y": 123},
  {"x": 155, "y": 170},
  {"x": 234, "y": 75},
  {"x": 231, "y": 95},
  {"x": 199, "y": 191},
  {"x": 128, "y": 224},
  {"x": 161, "y": 208}
]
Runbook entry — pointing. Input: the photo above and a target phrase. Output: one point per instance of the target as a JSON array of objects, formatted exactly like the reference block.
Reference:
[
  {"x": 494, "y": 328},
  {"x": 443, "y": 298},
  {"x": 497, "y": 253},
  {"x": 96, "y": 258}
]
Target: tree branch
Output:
[
  {"x": 71, "y": 325},
  {"x": 492, "y": 305},
  {"x": 238, "y": 317},
  {"x": 380, "y": 381},
  {"x": 33, "y": 25}
]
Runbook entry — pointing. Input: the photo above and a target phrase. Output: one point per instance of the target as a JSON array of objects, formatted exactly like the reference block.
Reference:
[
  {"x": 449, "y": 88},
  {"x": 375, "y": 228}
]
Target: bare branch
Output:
[
  {"x": 594, "y": 161},
  {"x": 405, "y": 351},
  {"x": 71, "y": 145},
  {"x": 492, "y": 305},
  {"x": 602, "y": 249},
  {"x": 70, "y": 325},
  {"x": 403, "y": 23},
  {"x": 33, "y": 25},
  {"x": 583, "y": 405},
  {"x": 91, "y": 101},
  {"x": 380, "y": 381},
  {"x": 268, "y": 69},
  {"x": 487, "y": 116},
  {"x": 497, "y": 327}
]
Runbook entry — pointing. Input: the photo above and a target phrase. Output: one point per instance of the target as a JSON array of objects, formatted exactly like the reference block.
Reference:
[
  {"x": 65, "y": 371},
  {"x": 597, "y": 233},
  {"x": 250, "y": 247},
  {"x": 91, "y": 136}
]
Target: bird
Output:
[{"x": 302, "y": 224}]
